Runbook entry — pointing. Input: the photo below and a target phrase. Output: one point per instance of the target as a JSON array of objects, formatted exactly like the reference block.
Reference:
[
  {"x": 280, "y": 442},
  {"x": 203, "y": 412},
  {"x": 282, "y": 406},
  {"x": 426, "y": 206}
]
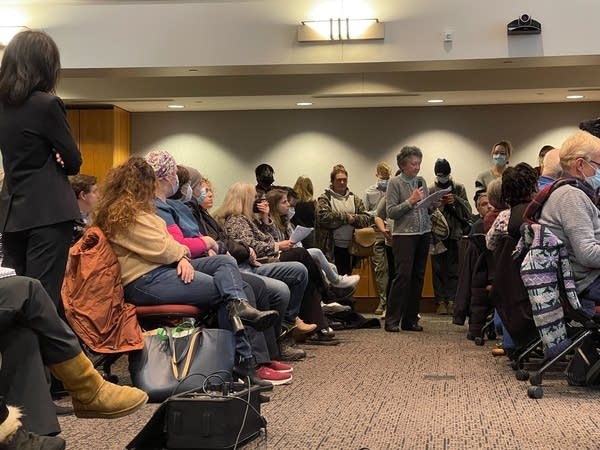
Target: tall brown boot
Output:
[{"x": 93, "y": 396}]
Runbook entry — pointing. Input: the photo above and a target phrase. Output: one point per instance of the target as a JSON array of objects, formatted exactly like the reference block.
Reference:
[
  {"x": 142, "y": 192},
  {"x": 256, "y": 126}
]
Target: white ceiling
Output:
[{"x": 466, "y": 82}]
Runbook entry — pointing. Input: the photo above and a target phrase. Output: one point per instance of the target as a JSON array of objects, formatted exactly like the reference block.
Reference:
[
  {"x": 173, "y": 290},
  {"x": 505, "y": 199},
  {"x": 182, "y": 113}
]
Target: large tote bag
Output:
[{"x": 174, "y": 360}]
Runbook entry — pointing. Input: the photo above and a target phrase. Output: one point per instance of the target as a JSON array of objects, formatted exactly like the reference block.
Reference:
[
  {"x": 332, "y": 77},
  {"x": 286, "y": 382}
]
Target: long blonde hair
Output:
[
  {"x": 304, "y": 189},
  {"x": 239, "y": 199}
]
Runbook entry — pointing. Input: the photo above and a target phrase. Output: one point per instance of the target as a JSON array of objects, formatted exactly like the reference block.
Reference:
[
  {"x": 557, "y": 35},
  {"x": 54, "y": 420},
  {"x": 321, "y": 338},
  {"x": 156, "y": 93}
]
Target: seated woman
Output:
[
  {"x": 279, "y": 207},
  {"x": 238, "y": 217},
  {"x": 156, "y": 269},
  {"x": 33, "y": 336},
  {"x": 179, "y": 221},
  {"x": 287, "y": 280}
]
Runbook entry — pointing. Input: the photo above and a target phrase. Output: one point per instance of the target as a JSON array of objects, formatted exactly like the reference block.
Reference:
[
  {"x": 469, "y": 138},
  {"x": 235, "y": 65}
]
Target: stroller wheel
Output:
[{"x": 535, "y": 379}]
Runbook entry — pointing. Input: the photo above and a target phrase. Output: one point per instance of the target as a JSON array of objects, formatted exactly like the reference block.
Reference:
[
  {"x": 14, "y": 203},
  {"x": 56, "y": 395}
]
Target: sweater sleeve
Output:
[
  {"x": 327, "y": 217},
  {"x": 395, "y": 204},
  {"x": 196, "y": 244},
  {"x": 498, "y": 230},
  {"x": 148, "y": 237},
  {"x": 240, "y": 229}
]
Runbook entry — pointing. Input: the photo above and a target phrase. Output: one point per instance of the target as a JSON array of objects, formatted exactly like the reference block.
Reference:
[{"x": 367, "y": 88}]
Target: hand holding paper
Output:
[
  {"x": 300, "y": 233},
  {"x": 432, "y": 198}
]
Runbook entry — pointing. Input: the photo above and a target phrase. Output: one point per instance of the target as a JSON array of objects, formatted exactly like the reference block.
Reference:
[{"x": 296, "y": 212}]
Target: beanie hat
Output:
[
  {"x": 195, "y": 176},
  {"x": 442, "y": 167},
  {"x": 162, "y": 163}
]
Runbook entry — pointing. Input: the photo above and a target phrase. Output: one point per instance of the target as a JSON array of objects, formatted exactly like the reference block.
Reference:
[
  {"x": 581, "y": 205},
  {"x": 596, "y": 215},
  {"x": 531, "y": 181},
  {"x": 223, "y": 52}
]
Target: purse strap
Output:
[{"x": 188, "y": 353}]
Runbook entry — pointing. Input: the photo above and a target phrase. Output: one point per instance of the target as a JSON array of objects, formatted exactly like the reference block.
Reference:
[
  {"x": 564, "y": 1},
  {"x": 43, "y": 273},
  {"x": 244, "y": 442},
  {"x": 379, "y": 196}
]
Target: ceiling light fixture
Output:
[
  {"x": 175, "y": 106},
  {"x": 435, "y": 100},
  {"x": 574, "y": 97},
  {"x": 340, "y": 30},
  {"x": 304, "y": 104},
  {"x": 8, "y": 32}
]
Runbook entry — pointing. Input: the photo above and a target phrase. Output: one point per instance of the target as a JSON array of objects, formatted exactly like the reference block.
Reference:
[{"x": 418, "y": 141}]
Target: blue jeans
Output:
[
  {"x": 216, "y": 282},
  {"x": 330, "y": 270},
  {"x": 507, "y": 342},
  {"x": 293, "y": 274}
]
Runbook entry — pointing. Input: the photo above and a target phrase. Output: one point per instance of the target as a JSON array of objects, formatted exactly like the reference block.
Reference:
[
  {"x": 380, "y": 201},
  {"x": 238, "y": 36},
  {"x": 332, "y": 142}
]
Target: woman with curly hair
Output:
[{"x": 154, "y": 267}]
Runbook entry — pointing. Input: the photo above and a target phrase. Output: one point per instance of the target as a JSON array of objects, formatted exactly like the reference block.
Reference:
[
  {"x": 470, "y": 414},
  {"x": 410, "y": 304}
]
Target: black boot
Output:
[
  {"x": 246, "y": 369},
  {"x": 13, "y": 436},
  {"x": 240, "y": 311}
]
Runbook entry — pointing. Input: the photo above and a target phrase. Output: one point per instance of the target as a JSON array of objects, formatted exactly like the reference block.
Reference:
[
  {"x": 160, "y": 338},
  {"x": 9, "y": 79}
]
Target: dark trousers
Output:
[
  {"x": 32, "y": 336},
  {"x": 445, "y": 272},
  {"x": 389, "y": 255},
  {"x": 410, "y": 257},
  {"x": 40, "y": 253},
  {"x": 343, "y": 260}
]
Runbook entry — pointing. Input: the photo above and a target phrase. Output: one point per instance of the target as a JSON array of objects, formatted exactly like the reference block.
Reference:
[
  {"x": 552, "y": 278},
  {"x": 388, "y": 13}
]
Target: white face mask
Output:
[
  {"x": 186, "y": 191},
  {"x": 291, "y": 212},
  {"x": 174, "y": 187}
]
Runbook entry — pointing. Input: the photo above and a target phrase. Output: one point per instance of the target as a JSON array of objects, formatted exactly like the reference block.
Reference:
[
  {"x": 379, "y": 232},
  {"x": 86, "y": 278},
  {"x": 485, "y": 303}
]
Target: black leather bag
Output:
[{"x": 175, "y": 360}]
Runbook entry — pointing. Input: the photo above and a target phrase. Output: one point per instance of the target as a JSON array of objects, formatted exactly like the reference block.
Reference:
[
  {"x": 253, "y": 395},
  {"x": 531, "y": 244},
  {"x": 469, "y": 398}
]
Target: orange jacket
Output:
[{"x": 92, "y": 295}]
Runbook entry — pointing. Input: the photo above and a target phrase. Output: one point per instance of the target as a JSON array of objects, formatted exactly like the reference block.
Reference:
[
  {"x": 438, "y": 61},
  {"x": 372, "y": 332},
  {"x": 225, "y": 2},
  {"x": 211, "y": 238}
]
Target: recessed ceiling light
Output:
[
  {"x": 304, "y": 104},
  {"x": 574, "y": 97},
  {"x": 175, "y": 106},
  {"x": 435, "y": 100}
]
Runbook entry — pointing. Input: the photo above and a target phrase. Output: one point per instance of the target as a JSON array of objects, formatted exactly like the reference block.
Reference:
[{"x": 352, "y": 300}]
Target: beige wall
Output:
[{"x": 226, "y": 146}]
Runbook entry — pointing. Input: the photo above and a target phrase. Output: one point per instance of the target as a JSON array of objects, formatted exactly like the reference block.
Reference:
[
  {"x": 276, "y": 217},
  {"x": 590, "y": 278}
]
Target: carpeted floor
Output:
[{"x": 378, "y": 390}]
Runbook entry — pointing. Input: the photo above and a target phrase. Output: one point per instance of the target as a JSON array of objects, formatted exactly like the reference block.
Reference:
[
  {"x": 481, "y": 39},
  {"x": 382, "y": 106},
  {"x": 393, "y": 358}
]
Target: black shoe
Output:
[
  {"x": 63, "y": 410},
  {"x": 414, "y": 327},
  {"x": 392, "y": 328},
  {"x": 289, "y": 353},
  {"x": 25, "y": 440},
  {"x": 245, "y": 370},
  {"x": 241, "y": 311}
]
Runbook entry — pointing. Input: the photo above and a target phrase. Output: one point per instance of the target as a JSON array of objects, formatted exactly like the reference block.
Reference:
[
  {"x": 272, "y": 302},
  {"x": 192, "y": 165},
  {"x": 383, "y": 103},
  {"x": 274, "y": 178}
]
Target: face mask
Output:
[
  {"x": 174, "y": 187},
  {"x": 186, "y": 191},
  {"x": 291, "y": 212},
  {"x": 382, "y": 185},
  {"x": 201, "y": 196},
  {"x": 594, "y": 180},
  {"x": 442, "y": 180},
  {"x": 499, "y": 159},
  {"x": 267, "y": 180}
]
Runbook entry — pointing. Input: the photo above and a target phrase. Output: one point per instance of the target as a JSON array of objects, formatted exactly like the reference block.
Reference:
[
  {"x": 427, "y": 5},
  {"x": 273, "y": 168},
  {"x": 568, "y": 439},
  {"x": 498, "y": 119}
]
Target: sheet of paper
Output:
[
  {"x": 300, "y": 233},
  {"x": 431, "y": 198}
]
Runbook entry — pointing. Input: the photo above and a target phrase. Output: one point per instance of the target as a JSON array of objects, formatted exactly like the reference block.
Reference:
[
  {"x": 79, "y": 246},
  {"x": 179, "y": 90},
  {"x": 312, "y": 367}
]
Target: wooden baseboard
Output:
[{"x": 369, "y": 304}]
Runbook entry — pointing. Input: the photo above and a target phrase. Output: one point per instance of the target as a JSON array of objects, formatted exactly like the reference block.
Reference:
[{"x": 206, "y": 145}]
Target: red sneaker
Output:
[
  {"x": 280, "y": 367},
  {"x": 272, "y": 376}
]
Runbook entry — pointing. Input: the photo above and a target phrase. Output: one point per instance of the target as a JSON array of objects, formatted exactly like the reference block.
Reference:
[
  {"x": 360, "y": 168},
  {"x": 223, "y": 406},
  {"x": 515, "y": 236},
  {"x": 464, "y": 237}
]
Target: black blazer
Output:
[{"x": 36, "y": 190}]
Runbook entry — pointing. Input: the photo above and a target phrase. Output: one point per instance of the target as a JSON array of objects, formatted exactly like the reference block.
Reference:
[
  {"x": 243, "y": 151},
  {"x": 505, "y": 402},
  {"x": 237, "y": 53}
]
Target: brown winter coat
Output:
[{"x": 93, "y": 298}]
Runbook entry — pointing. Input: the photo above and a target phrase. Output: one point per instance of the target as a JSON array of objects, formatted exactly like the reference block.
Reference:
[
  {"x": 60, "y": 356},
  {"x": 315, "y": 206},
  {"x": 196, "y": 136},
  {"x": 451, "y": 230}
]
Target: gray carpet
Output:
[{"x": 377, "y": 390}]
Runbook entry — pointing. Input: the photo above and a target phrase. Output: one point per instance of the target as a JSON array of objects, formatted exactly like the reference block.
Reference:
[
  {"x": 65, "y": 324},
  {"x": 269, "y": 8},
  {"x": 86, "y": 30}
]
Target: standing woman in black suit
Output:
[{"x": 37, "y": 204}]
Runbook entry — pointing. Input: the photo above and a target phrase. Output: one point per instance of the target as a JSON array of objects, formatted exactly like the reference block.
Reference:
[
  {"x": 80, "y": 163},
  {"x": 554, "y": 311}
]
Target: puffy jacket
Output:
[{"x": 93, "y": 299}]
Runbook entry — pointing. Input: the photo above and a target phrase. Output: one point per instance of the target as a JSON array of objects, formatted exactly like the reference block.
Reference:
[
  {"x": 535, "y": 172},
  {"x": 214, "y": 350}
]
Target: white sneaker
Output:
[
  {"x": 335, "y": 307},
  {"x": 345, "y": 281}
]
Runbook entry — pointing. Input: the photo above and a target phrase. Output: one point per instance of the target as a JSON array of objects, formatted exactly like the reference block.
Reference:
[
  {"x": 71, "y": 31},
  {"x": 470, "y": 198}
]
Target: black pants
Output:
[
  {"x": 410, "y": 257},
  {"x": 40, "y": 253},
  {"x": 342, "y": 260},
  {"x": 445, "y": 272},
  {"x": 32, "y": 336},
  {"x": 389, "y": 255}
]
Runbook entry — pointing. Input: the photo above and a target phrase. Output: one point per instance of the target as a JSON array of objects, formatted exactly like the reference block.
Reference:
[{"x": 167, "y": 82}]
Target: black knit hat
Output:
[
  {"x": 592, "y": 126},
  {"x": 442, "y": 167}
]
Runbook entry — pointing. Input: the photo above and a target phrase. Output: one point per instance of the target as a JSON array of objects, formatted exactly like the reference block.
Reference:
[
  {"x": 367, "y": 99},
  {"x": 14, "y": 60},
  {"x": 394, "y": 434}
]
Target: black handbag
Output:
[{"x": 176, "y": 360}]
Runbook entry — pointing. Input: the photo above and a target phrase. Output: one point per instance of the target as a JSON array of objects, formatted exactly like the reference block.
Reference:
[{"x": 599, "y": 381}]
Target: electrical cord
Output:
[{"x": 237, "y": 439}]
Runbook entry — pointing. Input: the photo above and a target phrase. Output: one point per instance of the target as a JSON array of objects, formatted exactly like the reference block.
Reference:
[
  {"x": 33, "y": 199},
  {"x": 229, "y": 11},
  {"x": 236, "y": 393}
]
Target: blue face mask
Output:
[
  {"x": 382, "y": 185},
  {"x": 201, "y": 196},
  {"x": 594, "y": 180},
  {"x": 499, "y": 159}
]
